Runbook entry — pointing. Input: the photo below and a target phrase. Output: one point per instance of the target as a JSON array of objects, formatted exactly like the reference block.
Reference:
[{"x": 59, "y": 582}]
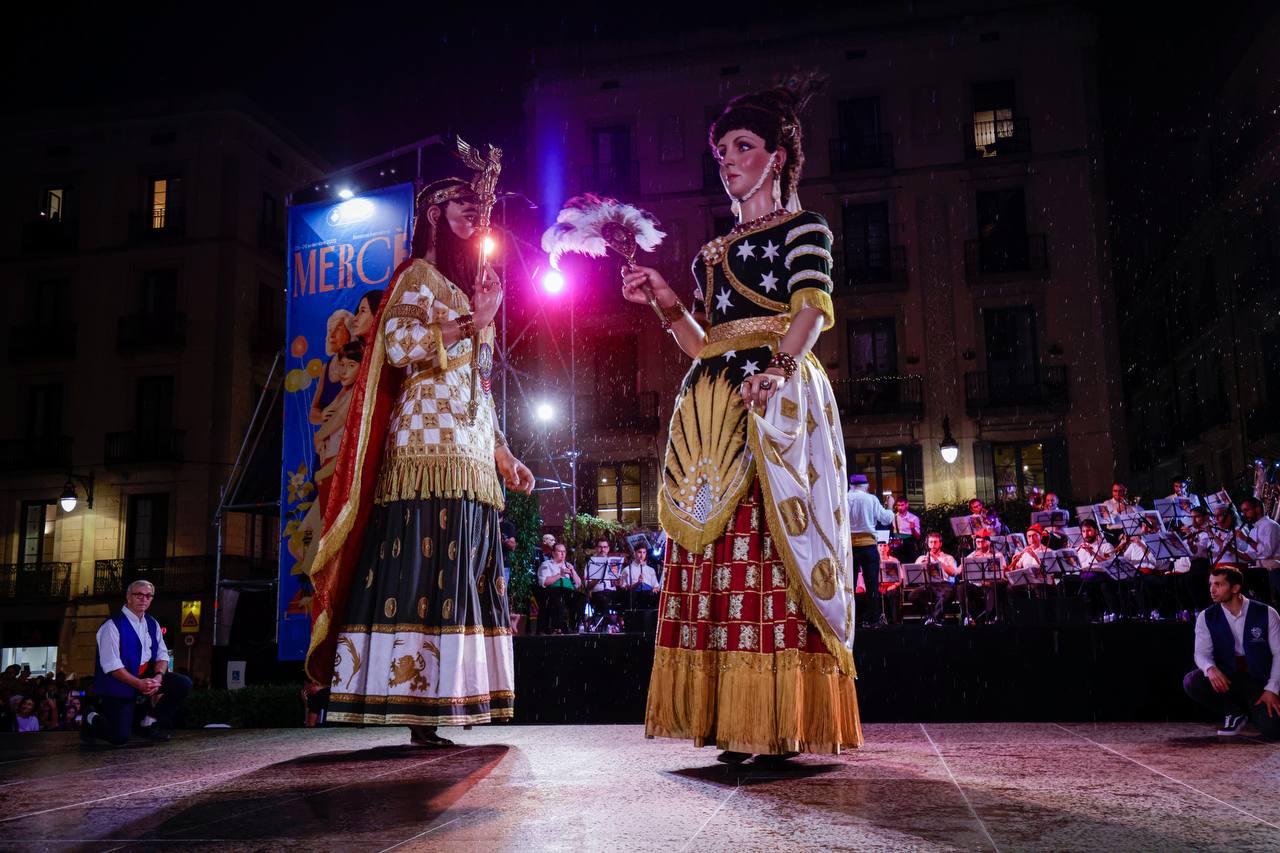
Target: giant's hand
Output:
[
  {"x": 634, "y": 281},
  {"x": 514, "y": 473},
  {"x": 758, "y": 388},
  {"x": 484, "y": 304}
]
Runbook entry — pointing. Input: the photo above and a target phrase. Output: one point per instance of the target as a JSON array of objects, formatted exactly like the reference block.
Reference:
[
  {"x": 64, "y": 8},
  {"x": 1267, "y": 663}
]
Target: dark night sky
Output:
[{"x": 353, "y": 88}]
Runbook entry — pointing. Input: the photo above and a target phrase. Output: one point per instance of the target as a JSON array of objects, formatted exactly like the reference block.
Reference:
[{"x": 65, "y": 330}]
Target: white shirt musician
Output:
[
  {"x": 1032, "y": 556},
  {"x": 1261, "y": 534},
  {"x": 1185, "y": 499},
  {"x": 1093, "y": 548},
  {"x": 984, "y": 551},
  {"x": 1119, "y": 504},
  {"x": 905, "y": 522},
  {"x": 935, "y": 555}
]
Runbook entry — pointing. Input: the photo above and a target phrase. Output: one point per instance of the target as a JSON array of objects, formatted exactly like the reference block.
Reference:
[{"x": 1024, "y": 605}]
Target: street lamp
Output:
[
  {"x": 70, "y": 498},
  {"x": 949, "y": 448}
]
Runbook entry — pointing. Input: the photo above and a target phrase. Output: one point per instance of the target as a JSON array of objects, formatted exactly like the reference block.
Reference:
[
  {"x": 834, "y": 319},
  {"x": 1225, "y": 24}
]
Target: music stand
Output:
[
  {"x": 1074, "y": 536},
  {"x": 1166, "y": 546},
  {"x": 1117, "y": 568},
  {"x": 1051, "y": 518},
  {"x": 963, "y": 525},
  {"x": 1172, "y": 513},
  {"x": 1217, "y": 501},
  {"x": 980, "y": 570}
]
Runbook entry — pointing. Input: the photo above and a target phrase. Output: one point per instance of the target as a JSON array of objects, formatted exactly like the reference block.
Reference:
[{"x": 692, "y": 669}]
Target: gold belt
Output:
[
  {"x": 434, "y": 372},
  {"x": 744, "y": 334}
]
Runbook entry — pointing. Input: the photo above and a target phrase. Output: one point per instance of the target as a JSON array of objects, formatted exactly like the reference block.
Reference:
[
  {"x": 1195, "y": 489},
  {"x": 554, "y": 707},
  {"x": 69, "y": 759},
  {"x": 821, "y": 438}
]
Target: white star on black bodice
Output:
[
  {"x": 746, "y": 250},
  {"x": 722, "y": 301}
]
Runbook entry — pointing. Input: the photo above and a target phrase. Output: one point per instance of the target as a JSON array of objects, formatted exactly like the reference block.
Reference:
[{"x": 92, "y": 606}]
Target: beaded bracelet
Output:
[
  {"x": 784, "y": 362},
  {"x": 669, "y": 314}
]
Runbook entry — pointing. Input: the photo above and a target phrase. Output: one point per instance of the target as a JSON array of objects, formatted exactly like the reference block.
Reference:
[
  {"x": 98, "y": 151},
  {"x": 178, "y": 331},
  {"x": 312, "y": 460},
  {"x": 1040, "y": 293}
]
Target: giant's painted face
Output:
[
  {"x": 462, "y": 216},
  {"x": 743, "y": 158}
]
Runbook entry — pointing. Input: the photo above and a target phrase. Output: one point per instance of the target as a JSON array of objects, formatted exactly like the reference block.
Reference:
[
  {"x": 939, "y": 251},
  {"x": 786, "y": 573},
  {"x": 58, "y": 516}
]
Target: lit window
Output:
[
  {"x": 159, "y": 202},
  {"x": 1018, "y": 469},
  {"x": 618, "y": 496},
  {"x": 51, "y": 209}
]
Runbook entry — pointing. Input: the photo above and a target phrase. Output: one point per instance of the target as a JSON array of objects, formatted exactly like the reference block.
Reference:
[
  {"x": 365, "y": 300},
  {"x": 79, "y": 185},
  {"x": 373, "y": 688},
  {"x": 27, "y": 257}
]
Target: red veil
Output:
[{"x": 351, "y": 491}]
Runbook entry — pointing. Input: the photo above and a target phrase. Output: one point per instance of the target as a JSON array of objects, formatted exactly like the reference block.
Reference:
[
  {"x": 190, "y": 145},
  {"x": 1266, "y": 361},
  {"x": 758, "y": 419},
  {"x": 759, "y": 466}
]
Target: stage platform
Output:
[
  {"x": 1118, "y": 672},
  {"x": 1043, "y": 786}
]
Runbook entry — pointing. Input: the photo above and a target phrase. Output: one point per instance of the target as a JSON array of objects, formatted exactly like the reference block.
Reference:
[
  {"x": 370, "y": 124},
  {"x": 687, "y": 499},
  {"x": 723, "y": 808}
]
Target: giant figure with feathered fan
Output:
[{"x": 754, "y": 650}]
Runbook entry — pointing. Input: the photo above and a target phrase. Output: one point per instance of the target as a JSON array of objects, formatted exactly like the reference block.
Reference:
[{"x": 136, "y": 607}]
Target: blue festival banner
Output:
[{"x": 341, "y": 257}]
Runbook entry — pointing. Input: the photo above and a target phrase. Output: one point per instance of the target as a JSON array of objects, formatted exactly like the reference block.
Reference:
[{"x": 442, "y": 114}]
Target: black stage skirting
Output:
[{"x": 906, "y": 673}]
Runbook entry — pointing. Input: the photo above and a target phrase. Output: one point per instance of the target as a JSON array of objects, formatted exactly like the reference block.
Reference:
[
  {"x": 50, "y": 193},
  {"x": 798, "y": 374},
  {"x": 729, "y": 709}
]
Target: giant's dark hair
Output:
[
  {"x": 456, "y": 258},
  {"x": 774, "y": 116}
]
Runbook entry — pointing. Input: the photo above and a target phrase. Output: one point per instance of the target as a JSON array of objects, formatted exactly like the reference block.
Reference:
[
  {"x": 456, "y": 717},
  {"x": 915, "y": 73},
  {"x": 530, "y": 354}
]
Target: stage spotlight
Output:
[
  {"x": 553, "y": 282},
  {"x": 345, "y": 192},
  {"x": 544, "y": 412},
  {"x": 489, "y": 246}
]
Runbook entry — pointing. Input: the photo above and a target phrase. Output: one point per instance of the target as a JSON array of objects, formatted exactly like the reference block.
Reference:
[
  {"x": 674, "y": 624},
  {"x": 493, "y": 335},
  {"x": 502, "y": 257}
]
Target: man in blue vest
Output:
[
  {"x": 1237, "y": 657},
  {"x": 132, "y": 661}
]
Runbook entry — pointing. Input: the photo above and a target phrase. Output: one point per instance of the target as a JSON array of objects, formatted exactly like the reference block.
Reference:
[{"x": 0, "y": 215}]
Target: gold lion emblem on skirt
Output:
[
  {"x": 411, "y": 669},
  {"x": 427, "y": 547}
]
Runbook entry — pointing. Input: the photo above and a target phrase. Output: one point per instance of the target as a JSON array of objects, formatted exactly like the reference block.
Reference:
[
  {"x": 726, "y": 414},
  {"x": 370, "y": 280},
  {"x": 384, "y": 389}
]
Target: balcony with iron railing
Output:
[
  {"x": 143, "y": 447},
  {"x": 878, "y": 269},
  {"x": 46, "y": 236},
  {"x": 36, "y": 342},
  {"x": 35, "y": 453},
  {"x": 985, "y": 391},
  {"x": 901, "y": 396},
  {"x": 163, "y": 223},
  {"x": 614, "y": 179},
  {"x": 637, "y": 412},
  {"x": 1012, "y": 256},
  {"x": 858, "y": 152},
  {"x": 34, "y": 582},
  {"x": 148, "y": 332},
  {"x": 987, "y": 140},
  {"x": 181, "y": 575}
]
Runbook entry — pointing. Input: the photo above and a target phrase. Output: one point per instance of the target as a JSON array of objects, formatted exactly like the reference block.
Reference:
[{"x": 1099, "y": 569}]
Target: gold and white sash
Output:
[{"x": 798, "y": 448}]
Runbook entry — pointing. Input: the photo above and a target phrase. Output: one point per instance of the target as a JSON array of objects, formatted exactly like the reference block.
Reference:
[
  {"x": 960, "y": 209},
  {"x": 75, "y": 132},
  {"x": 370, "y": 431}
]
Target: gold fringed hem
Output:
[
  {"x": 813, "y": 297},
  {"x": 764, "y": 704},
  {"x": 408, "y": 478},
  {"x": 773, "y": 521}
]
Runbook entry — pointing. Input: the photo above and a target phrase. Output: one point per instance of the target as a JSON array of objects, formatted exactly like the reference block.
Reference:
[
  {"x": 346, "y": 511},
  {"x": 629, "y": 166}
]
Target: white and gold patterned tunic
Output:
[{"x": 433, "y": 448}]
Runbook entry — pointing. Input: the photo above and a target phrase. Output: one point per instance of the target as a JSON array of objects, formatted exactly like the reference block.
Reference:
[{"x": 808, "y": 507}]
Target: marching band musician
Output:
[
  {"x": 890, "y": 583},
  {"x": 1183, "y": 496},
  {"x": 905, "y": 531},
  {"x": 941, "y": 592},
  {"x": 980, "y": 517},
  {"x": 997, "y": 588},
  {"x": 1118, "y": 505},
  {"x": 1096, "y": 583},
  {"x": 1154, "y": 589},
  {"x": 1191, "y": 588},
  {"x": 1262, "y": 545},
  {"x": 1032, "y": 556}
]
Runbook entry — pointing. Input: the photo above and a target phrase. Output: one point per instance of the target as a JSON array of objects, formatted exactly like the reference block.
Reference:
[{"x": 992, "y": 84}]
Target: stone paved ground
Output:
[{"x": 913, "y": 787}]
